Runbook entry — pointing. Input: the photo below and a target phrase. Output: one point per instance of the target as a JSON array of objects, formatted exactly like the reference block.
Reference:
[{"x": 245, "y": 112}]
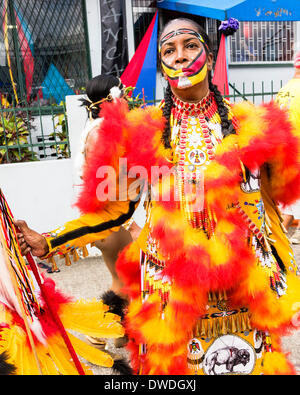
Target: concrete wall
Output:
[
  {"x": 259, "y": 78},
  {"x": 39, "y": 192},
  {"x": 42, "y": 193}
]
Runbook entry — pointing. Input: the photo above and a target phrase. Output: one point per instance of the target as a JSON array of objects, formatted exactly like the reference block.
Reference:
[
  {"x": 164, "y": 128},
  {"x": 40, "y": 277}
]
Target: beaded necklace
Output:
[{"x": 194, "y": 139}]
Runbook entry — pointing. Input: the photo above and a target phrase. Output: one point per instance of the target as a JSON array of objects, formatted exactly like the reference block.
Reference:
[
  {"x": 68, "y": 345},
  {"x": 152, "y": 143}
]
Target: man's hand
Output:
[
  {"x": 30, "y": 241},
  {"x": 134, "y": 230}
]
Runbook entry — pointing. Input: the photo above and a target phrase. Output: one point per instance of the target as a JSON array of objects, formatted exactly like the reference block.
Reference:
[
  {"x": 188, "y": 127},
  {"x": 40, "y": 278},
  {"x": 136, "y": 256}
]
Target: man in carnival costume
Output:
[{"x": 212, "y": 278}]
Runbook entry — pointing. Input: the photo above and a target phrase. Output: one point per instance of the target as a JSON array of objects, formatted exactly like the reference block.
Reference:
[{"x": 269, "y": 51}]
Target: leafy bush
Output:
[
  {"x": 61, "y": 132},
  {"x": 15, "y": 128}
]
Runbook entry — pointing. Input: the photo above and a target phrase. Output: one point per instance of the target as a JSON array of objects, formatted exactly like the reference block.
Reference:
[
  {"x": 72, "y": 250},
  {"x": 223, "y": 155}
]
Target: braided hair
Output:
[
  {"x": 226, "y": 124},
  {"x": 98, "y": 88},
  {"x": 168, "y": 99}
]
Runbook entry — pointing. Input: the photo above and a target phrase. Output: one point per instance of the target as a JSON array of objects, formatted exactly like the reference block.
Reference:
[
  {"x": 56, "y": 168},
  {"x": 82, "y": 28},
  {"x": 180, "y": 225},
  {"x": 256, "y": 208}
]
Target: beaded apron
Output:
[{"x": 223, "y": 341}]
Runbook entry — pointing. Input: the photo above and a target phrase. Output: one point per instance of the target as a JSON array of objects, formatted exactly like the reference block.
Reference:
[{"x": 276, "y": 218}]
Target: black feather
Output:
[
  {"x": 116, "y": 303},
  {"x": 6, "y": 369},
  {"x": 122, "y": 367}
]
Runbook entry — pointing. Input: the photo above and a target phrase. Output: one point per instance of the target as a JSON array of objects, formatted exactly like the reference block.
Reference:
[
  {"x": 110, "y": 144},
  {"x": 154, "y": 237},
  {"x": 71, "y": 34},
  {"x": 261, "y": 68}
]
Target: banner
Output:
[
  {"x": 114, "y": 37},
  {"x": 141, "y": 70}
]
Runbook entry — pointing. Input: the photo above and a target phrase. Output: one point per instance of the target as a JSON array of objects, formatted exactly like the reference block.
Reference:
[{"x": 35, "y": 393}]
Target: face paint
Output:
[
  {"x": 195, "y": 72},
  {"x": 188, "y": 76}
]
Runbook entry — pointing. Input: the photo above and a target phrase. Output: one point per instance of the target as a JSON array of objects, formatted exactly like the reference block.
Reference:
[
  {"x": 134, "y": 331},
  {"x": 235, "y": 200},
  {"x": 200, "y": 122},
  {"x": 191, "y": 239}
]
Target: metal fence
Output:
[
  {"x": 43, "y": 52},
  {"x": 33, "y": 133},
  {"x": 254, "y": 92},
  {"x": 41, "y": 133},
  {"x": 264, "y": 42},
  {"x": 44, "y": 57}
]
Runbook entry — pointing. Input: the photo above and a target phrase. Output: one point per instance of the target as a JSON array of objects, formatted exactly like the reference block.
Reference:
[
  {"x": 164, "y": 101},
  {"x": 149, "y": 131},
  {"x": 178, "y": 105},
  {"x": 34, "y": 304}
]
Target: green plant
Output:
[
  {"x": 133, "y": 101},
  {"x": 61, "y": 132},
  {"x": 15, "y": 128}
]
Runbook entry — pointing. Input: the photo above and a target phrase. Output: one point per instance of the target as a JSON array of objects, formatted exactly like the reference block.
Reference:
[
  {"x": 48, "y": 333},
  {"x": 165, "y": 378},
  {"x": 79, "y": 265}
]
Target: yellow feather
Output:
[
  {"x": 251, "y": 123},
  {"x": 61, "y": 357},
  {"x": 48, "y": 364},
  {"x": 275, "y": 363},
  {"x": 91, "y": 319},
  {"x": 91, "y": 354}
]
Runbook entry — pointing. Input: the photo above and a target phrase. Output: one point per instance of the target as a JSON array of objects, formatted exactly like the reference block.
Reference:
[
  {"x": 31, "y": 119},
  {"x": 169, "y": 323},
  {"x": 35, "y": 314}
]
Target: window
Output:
[
  {"x": 263, "y": 42},
  {"x": 143, "y": 12}
]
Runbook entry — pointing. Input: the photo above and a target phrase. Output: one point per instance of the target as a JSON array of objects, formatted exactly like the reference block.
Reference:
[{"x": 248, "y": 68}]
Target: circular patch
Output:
[
  {"x": 197, "y": 157},
  {"x": 229, "y": 355},
  {"x": 195, "y": 348}
]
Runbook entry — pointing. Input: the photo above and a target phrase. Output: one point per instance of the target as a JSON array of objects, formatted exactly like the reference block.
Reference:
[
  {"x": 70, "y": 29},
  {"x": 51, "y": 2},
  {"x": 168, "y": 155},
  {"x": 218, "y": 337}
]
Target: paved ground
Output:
[{"x": 89, "y": 278}]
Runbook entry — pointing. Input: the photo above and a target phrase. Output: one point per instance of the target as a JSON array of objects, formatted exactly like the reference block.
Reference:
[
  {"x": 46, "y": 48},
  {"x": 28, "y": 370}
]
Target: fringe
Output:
[
  {"x": 6, "y": 368},
  {"x": 122, "y": 367},
  {"x": 116, "y": 303}
]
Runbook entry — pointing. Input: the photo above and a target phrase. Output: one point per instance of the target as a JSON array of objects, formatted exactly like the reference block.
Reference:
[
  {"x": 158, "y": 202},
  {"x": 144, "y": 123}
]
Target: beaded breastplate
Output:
[{"x": 196, "y": 130}]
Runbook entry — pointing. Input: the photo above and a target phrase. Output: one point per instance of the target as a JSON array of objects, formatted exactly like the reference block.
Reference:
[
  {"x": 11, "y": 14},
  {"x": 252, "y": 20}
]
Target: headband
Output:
[
  {"x": 114, "y": 92},
  {"x": 181, "y": 31}
]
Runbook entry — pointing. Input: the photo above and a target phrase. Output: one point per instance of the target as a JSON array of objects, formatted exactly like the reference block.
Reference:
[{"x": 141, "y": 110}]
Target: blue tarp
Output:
[
  {"x": 243, "y": 10},
  {"x": 55, "y": 86},
  {"x": 147, "y": 77}
]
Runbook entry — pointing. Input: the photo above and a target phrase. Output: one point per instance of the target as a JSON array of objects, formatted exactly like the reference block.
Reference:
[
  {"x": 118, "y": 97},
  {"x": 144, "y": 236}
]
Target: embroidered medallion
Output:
[{"x": 229, "y": 355}]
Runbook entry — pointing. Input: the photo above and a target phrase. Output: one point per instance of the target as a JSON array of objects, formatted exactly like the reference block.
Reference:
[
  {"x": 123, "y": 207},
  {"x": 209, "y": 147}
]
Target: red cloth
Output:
[
  {"x": 133, "y": 70},
  {"x": 297, "y": 60},
  {"x": 220, "y": 77}
]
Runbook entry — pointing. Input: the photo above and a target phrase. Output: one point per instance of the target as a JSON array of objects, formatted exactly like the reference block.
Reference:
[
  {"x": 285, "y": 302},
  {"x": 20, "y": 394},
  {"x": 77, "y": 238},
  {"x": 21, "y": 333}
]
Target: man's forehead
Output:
[
  {"x": 184, "y": 39},
  {"x": 173, "y": 33}
]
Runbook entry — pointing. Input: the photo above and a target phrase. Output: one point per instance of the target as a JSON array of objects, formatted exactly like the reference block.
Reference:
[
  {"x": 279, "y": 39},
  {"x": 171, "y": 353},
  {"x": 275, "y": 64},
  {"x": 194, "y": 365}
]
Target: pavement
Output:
[{"x": 89, "y": 278}]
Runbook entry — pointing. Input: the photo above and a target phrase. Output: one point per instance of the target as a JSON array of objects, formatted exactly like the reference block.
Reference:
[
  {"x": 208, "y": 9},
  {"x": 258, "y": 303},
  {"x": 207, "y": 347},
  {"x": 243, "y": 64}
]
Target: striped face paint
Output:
[{"x": 188, "y": 76}]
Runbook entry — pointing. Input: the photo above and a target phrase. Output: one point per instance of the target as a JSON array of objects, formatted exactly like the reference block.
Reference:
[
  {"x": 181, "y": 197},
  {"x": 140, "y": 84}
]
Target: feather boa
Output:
[{"x": 267, "y": 135}]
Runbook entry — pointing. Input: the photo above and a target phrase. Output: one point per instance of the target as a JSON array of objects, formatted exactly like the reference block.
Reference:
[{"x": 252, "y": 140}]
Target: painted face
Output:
[{"x": 183, "y": 57}]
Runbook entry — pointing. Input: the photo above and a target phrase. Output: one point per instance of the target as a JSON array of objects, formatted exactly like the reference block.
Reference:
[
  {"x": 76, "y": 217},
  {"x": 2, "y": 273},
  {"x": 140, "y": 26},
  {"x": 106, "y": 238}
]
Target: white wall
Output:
[
  {"x": 261, "y": 76},
  {"x": 39, "y": 192},
  {"x": 42, "y": 193}
]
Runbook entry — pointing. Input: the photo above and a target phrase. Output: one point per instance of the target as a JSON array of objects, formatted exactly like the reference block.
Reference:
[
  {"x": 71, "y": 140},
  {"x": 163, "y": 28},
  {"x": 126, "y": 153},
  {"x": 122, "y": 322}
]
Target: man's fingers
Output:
[
  {"x": 28, "y": 249},
  {"x": 24, "y": 248},
  {"x": 22, "y": 225},
  {"x": 23, "y": 245},
  {"x": 20, "y": 237}
]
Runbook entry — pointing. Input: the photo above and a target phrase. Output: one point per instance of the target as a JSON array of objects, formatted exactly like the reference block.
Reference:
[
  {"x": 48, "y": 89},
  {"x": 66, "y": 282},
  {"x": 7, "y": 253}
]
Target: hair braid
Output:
[
  {"x": 166, "y": 137},
  {"x": 227, "y": 126}
]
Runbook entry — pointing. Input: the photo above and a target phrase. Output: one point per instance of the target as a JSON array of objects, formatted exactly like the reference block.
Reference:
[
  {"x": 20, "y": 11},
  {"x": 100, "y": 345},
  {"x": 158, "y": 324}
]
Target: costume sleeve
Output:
[
  {"x": 267, "y": 135},
  {"x": 89, "y": 227}
]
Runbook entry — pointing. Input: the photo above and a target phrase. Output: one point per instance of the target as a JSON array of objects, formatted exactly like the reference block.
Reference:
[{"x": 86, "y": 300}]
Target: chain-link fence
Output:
[
  {"x": 43, "y": 52},
  {"x": 43, "y": 58}
]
